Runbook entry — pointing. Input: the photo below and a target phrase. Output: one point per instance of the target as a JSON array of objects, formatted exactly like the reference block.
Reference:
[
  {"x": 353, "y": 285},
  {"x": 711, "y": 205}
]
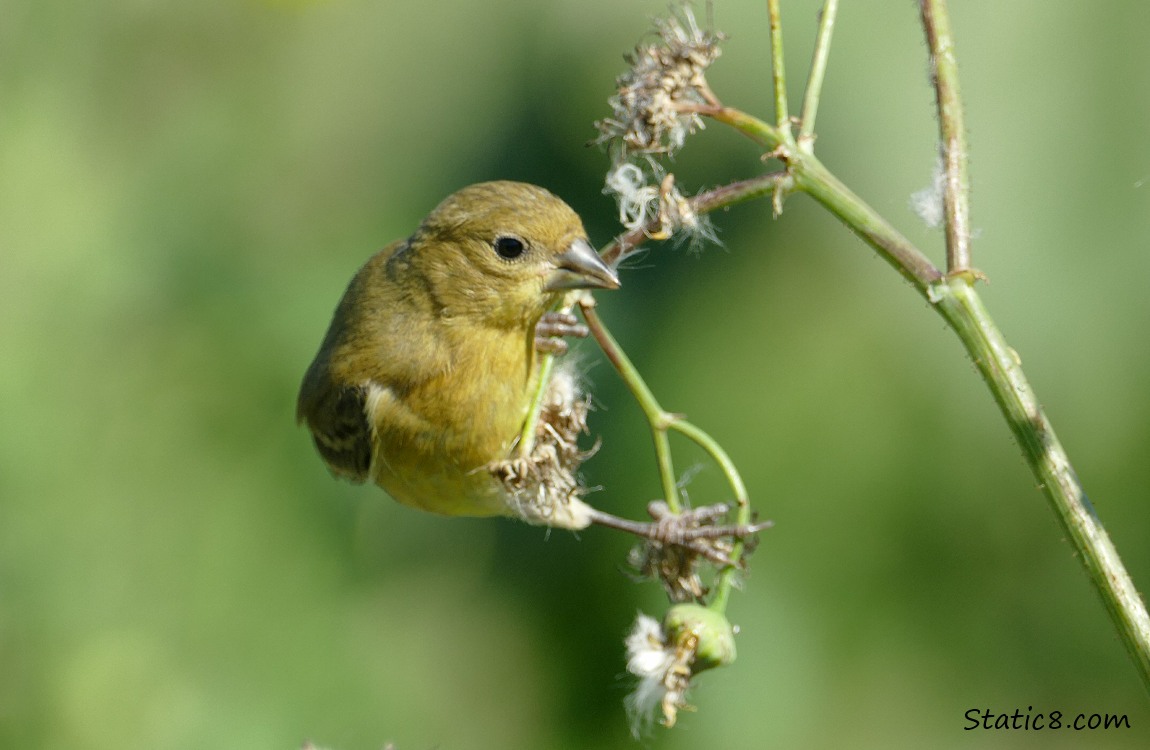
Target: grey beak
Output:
[{"x": 580, "y": 267}]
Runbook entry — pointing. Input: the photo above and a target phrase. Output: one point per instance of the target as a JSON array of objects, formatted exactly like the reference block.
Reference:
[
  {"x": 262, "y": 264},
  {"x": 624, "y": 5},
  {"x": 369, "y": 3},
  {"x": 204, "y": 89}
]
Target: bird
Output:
[{"x": 426, "y": 373}]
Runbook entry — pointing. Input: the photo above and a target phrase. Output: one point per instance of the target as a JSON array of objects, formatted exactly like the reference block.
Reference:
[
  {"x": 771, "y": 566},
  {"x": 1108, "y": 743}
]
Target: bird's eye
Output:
[{"x": 509, "y": 248}]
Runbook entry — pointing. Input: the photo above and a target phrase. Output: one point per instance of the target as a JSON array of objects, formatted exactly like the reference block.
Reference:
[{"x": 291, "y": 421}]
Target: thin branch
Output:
[
  {"x": 661, "y": 421},
  {"x": 705, "y": 202},
  {"x": 778, "y": 69},
  {"x": 657, "y": 418},
  {"x": 818, "y": 72},
  {"x": 958, "y": 302},
  {"x": 952, "y": 134},
  {"x": 954, "y": 298},
  {"x": 742, "y": 503},
  {"x": 809, "y": 174},
  {"x": 613, "y": 253},
  {"x": 818, "y": 182},
  {"x": 526, "y": 442}
]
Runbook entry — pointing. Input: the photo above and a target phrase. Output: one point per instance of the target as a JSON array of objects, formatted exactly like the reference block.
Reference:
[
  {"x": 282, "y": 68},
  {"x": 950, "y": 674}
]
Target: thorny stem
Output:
[
  {"x": 661, "y": 421},
  {"x": 957, "y": 301},
  {"x": 806, "y": 138},
  {"x": 778, "y": 70},
  {"x": 952, "y": 134}
]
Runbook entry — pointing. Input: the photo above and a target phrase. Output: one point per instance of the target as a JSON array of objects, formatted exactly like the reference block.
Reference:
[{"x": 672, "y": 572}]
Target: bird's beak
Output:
[{"x": 580, "y": 267}]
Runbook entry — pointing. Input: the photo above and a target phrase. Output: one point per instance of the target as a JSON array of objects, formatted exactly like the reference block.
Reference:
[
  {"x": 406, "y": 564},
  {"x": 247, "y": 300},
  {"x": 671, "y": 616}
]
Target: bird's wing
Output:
[{"x": 341, "y": 432}]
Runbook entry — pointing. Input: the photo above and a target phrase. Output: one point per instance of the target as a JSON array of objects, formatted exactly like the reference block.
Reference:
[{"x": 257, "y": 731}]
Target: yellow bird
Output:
[{"x": 424, "y": 378}]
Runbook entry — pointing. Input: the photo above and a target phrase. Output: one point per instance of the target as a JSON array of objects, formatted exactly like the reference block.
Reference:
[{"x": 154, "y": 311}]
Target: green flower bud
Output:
[{"x": 707, "y": 633}]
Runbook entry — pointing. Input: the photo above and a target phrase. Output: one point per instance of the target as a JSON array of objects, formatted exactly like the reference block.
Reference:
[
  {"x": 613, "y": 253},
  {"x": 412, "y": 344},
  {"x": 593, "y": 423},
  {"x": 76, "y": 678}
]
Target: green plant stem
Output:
[
  {"x": 816, "y": 180},
  {"x": 958, "y": 302},
  {"x": 742, "y": 504},
  {"x": 778, "y": 69},
  {"x": 527, "y": 434},
  {"x": 546, "y": 366},
  {"x": 617, "y": 250},
  {"x": 806, "y": 138},
  {"x": 952, "y": 134},
  {"x": 661, "y": 421},
  {"x": 657, "y": 417},
  {"x": 1008, "y": 384},
  {"x": 809, "y": 174}
]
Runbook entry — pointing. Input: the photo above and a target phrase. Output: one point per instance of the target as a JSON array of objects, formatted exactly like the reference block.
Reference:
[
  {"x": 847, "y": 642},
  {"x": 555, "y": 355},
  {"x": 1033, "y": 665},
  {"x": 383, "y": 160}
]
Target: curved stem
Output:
[
  {"x": 742, "y": 504},
  {"x": 658, "y": 419},
  {"x": 952, "y": 296},
  {"x": 661, "y": 421}
]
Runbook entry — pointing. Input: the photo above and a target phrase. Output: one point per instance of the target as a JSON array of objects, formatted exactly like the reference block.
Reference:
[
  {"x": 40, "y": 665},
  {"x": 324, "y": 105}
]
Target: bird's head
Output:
[{"x": 502, "y": 251}]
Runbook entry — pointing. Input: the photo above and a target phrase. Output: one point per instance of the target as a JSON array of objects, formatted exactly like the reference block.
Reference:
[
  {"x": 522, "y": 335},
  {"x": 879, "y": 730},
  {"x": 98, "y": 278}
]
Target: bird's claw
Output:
[{"x": 551, "y": 330}]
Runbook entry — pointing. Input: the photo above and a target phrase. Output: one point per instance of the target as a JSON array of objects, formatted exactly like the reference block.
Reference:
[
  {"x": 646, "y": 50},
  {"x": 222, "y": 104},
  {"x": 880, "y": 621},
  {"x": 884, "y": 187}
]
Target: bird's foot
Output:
[{"x": 551, "y": 330}]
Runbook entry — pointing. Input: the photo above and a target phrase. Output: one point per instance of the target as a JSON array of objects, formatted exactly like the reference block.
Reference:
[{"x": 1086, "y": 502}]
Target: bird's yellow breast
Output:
[{"x": 434, "y": 440}]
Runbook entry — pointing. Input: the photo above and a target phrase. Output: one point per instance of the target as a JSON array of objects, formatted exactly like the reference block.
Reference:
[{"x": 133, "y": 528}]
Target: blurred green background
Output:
[{"x": 185, "y": 188}]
